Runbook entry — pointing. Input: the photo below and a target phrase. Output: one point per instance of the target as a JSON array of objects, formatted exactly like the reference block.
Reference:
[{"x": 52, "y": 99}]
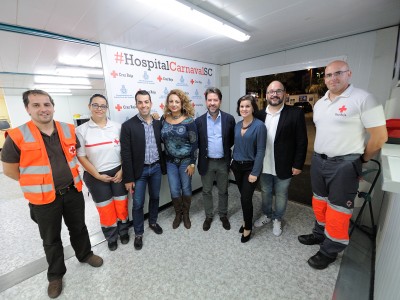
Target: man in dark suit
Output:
[
  {"x": 216, "y": 133},
  {"x": 142, "y": 164},
  {"x": 285, "y": 155}
]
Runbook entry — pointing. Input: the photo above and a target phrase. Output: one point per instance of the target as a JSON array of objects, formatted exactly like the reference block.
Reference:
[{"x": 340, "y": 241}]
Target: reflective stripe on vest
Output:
[
  {"x": 37, "y": 188},
  {"x": 35, "y": 170},
  {"x": 36, "y": 178}
]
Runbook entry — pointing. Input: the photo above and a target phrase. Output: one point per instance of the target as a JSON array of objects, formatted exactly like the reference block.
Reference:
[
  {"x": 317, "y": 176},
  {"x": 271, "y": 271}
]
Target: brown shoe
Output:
[
  {"x": 55, "y": 288},
  {"x": 95, "y": 261}
]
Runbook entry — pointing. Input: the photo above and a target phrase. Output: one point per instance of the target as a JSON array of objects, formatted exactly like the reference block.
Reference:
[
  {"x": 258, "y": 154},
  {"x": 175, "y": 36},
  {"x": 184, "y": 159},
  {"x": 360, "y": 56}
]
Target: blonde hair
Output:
[{"x": 187, "y": 108}]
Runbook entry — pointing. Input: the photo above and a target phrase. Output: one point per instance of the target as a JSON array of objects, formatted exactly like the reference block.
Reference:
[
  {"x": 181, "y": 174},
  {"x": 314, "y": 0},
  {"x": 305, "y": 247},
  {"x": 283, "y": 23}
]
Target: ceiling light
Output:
[
  {"x": 78, "y": 71},
  {"x": 61, "y": 80},
  {"x": 61, "y": 94},
  {"x": 201, "y": 17},
  {"x": 54, "y": 86},
  {"x": 80, "y": 61},
  {"x": 55, "y": 90}
]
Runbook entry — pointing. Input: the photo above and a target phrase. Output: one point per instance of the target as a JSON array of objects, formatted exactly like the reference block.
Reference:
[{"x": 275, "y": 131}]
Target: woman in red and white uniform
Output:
[{"x": 100, "y": 155}]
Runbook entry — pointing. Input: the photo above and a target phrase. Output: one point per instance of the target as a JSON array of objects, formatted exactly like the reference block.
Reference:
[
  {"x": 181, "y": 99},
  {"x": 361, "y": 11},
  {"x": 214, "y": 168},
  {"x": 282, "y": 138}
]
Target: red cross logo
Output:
[
  {"x": 114, "y": 74},
  {"x": 342, "y": 109},
  {"x": 162, "y": 106},
  {"x": 118, "y": 107},
  {"x": 192, "y": 81},
  {"x": 72, "y": 150},
  {"x": 159, "y": 78},
  {"x": 116, "y": 141}
]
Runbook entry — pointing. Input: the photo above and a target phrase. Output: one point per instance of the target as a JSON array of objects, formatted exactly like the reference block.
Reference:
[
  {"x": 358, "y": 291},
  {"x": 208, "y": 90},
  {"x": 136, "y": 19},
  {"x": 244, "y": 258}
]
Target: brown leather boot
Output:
[
  {"x": 177, "y": 202},
  {"x": 186, "y": 207}
]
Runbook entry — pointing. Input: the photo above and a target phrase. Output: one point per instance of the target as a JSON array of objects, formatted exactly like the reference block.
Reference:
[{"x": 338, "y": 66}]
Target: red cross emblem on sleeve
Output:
[{"x": 72, "y": 150}]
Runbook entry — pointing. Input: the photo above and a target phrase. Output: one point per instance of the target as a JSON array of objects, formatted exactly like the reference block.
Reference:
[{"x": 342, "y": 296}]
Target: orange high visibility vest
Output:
[{"x": 36, "y": 178}]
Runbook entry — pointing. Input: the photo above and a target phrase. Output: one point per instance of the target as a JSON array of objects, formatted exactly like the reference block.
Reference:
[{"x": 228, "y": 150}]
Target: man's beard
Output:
[
  {"x": 213, "y": 113},
  {"x": 275, "y": 104}
]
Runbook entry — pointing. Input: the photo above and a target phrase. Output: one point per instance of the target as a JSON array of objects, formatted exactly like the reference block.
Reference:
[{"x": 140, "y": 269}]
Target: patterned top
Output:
[{"x": 180, "y": 141}]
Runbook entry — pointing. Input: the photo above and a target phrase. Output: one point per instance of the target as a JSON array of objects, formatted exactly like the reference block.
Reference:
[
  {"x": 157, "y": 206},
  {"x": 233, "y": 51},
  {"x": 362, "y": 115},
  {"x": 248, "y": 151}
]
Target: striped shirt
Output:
[{"x": 151, "y": 151}]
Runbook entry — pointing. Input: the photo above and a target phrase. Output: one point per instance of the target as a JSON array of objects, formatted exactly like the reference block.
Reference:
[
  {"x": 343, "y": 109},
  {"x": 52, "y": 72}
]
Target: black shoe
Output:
[
  {"x": 138, "y": 243},
  {"x": 112, "y": 246},
  {"x": 124, "y": 239},
  {"x": 225, "y": 223},
  {"x": 320, "y": 261},
  {"x": 156, "y": 228},
  {"x": 207, "y": 224},
  {"x": 309, "y": 239},
  {"x": 241, "y": 229},
  {"x": 245, "y": 239}
]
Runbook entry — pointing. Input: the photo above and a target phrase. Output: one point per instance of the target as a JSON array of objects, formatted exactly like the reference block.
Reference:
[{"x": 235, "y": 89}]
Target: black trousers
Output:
[
  {"x": 241, "y": 171},
  {"x": 71, "y": 206}
]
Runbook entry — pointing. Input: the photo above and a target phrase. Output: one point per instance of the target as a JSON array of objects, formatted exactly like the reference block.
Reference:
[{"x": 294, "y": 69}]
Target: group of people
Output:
[{"x": 269, "y": 148}]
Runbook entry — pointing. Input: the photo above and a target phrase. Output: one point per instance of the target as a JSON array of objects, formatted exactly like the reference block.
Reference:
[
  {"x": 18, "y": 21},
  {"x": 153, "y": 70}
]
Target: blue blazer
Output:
[{"x": 227, "y": 127}]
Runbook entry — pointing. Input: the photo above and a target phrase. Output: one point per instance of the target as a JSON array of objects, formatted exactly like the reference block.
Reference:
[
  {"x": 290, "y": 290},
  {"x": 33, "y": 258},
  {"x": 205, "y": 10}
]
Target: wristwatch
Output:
[{"x": 192, "y": 165}]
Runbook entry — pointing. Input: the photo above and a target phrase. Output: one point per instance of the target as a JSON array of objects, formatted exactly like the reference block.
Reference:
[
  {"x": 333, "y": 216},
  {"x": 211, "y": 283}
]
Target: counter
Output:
[{"x": 391, "y": 168}]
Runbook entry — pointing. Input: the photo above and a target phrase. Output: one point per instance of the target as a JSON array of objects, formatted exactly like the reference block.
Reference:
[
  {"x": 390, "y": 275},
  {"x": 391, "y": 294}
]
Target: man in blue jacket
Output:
[{"x": 216, "y": 133}]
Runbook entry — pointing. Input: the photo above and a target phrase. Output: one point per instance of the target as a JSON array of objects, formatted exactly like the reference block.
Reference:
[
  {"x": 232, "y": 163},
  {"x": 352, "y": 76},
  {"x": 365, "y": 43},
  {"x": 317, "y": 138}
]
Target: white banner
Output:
[{"x": 127, "y": 71}]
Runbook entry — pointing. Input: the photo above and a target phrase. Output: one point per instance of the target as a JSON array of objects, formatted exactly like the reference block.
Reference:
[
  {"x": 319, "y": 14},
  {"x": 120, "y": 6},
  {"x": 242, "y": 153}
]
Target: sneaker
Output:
[
  {"x": 277, "y": 230},
  {"x": 55, "y": 288},
  {"x": 94, "y": 261},
  {"x": 262, "y": 221}
]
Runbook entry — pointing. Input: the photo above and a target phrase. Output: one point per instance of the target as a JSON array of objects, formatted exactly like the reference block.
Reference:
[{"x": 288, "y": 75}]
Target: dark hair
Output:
[
  {"x": 213, "y": 90},
  {"x": 143, "y": 93},
  {"x": 97, "y": 95},
  {"x": 25, "y": 96},
  {"x": 252, "y": 101}
]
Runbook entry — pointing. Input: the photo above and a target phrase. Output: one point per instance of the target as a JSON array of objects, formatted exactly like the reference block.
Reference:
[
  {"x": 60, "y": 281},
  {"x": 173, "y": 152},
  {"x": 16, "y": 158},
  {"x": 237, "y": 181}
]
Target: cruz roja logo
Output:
[{"x": 118, "y": 107}]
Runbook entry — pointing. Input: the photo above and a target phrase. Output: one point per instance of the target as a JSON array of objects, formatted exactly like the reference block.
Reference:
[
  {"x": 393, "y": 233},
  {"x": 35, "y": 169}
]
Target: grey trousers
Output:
[{"x": 217, "y": 171}]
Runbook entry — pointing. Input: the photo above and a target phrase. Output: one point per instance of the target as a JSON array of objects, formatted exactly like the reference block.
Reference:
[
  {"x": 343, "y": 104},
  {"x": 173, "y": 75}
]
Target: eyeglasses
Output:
[
  {"x": 335, "y": 74},
  {"x": 96, "y": 106},
  {"x": 271, "y": 92}
]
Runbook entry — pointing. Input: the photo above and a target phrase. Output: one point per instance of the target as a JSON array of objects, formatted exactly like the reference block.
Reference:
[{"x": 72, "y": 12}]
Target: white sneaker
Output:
[
  {"x": 277, "y": 230},
  {"x": 262, "y": 221}
]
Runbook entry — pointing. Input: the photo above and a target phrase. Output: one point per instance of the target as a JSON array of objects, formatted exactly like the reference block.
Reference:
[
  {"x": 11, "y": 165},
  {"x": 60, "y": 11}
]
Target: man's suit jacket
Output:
[
  {"x": 227, "y": 128},
  {"x": 290, "y": 145},
  {"x": 133, "y": 146}
]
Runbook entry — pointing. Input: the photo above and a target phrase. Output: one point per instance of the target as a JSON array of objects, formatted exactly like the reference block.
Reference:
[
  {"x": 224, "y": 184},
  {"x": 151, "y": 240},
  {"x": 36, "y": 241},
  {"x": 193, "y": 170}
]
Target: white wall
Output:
[
  {"x": 387, "y": 276},
  {"x": 370, "y": 56}
]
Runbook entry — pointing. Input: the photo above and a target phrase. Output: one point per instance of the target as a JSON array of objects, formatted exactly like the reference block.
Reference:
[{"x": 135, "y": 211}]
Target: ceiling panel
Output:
[{"x": 274, "y": 25}]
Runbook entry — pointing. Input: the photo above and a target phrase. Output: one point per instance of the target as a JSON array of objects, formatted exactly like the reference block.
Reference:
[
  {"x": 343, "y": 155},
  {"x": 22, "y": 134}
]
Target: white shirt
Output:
[
  {"x": 271, "y": 122},
  {"x": 100, "y": 145},
  {"x": 341, "y": 123}
]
